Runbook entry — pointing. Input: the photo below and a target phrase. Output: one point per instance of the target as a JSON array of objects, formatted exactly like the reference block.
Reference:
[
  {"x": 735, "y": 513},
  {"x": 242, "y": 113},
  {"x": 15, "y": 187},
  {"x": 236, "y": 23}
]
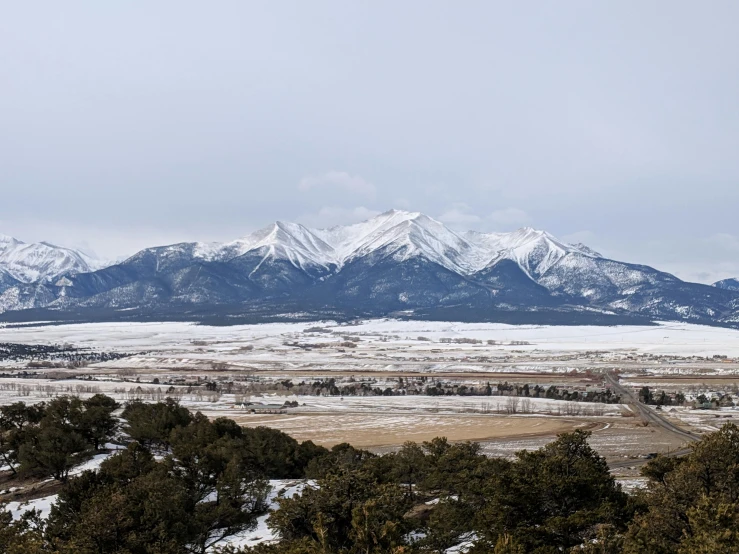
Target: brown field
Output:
[{"x": 378, "y": 430}]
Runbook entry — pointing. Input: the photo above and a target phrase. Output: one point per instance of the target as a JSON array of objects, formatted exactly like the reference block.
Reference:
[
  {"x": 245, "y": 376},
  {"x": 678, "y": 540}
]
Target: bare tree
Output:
[
  {"x": 511, "y": 404},
  {"x": 526, "y": 406}
]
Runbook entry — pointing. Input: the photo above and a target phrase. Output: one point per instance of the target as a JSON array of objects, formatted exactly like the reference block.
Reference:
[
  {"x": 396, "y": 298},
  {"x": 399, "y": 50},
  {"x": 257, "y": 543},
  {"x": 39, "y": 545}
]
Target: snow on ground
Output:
[
  {"x": 93, "y": 464},
  {"x": 280, "y": 488},
  {"x": 43, "y": 389},
  {"x": 633, "y": 484},
  {"x": 135, "y": 337},
  {"x": 467, "y": 543},
  {"x": 436, "y": 404},
  {"x": 664, "y": 338},
  {"x": 704, "y": 420},
  {"x": 42, "y": 505}
]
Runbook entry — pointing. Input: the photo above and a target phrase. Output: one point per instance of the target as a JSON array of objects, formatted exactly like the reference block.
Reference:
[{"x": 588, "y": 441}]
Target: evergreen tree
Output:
[
  {"x": 151, "y": 424},
  {"x": 683, "y": 496}
]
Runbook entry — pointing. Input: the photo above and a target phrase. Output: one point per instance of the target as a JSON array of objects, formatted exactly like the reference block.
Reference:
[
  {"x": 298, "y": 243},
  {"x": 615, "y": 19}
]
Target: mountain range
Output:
[{"x": 399, "y": 264}]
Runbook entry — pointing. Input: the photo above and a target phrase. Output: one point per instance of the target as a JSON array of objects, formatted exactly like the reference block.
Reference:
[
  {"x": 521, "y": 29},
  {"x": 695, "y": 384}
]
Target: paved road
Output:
[
  {"x": 647, "y": 413},
  {"x": 651, "y": 417}
]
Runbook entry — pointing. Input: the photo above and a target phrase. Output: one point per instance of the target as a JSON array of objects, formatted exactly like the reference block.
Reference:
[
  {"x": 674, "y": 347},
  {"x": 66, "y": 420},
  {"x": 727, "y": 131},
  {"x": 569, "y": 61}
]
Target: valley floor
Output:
[{"x": 233, "y": 371}]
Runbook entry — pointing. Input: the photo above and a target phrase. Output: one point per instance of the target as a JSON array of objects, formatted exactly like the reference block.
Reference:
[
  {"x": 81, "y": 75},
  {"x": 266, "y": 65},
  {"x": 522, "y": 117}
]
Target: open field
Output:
[
  {"x": 392, "y": 363},
  {"x": 616, "y": 440},
  {"x": 392, "y": 430},
  {"x": 390, "y": 345}
]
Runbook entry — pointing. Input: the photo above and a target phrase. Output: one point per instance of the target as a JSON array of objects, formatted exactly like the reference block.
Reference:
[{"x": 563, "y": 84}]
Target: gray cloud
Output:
[
  {"x": 509, "y": 217},
  {"x": 329, "y": 216},
  {"x": 341, "y": 180},
  {"x": 459, "y": 215},
  {"x": 127, "y": 125},
  {"x": 462, "y": 216}
]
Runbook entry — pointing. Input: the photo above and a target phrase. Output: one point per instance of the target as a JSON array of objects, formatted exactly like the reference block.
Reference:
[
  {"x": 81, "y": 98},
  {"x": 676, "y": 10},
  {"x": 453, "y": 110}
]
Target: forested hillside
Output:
[{"x": 186, "y": 484}]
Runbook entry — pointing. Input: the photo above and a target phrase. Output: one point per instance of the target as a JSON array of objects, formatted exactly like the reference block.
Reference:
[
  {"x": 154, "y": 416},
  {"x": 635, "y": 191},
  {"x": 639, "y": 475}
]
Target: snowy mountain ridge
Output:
[
  {"x": 727, "y": 284},
  {"x": 395, "y": 263},
  {"x": 42, "y": 261},
  {"x": 399, "y": 234}
]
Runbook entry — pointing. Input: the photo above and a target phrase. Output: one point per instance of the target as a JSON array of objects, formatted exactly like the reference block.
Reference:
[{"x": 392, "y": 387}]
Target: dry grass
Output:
[{"x": 377, "y": 430}]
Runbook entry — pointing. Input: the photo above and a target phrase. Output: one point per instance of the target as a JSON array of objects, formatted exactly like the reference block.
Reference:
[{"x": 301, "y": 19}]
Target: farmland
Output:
[{"x": 380, "y": 383}]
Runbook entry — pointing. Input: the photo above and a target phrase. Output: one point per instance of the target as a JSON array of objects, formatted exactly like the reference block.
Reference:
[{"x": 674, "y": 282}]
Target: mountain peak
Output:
[
  {"x": 7, "y": 239},
  {"x": 728, "y": 284},
  {"x": 398, "y": 233},
  {"x": 399, "y": 214},
  {"x": 529, "y": 234},
  {"x": 397, "y": 260},
  {"x": 40, "y": 261}
]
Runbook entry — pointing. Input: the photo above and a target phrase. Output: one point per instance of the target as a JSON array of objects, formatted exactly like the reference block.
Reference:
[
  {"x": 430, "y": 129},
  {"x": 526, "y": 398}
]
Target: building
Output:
[{"x": 255, "y": 408}]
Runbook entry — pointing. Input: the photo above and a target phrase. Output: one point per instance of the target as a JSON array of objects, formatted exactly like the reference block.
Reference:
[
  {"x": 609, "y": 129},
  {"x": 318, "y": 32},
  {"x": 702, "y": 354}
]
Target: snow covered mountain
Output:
[
  {"x": 38, "y": 262},
  {"x": 728, "y": 284},
  {"x": 398, "y": 234},
  {"x": 397, "y": 262}
]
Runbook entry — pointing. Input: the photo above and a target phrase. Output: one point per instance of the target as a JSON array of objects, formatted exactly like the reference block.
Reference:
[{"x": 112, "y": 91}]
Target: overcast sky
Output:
[{"x": 129, "y": 124}]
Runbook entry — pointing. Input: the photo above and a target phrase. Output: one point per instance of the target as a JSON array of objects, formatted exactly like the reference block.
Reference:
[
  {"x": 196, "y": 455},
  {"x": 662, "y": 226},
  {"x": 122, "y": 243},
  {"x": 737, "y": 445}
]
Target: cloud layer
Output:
[
  {"x": 340, "y": 180},
  {"x": 214, "y": 121}
]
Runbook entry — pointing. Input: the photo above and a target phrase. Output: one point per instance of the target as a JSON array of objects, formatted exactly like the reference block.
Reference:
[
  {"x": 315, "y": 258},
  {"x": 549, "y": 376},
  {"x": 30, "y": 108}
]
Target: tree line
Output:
[
  {"x": 421, "y": 386},
  {"x": 48, "y": 439},
  {"x": 43, "y": 355}
]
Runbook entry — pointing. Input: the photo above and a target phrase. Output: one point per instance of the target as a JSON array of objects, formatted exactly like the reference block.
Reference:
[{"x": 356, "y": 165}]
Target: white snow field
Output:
[
  {"x": 664, "y": 338},
  {"x": 41, "y": 505},
  {"x": 167, "y": 358}
]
